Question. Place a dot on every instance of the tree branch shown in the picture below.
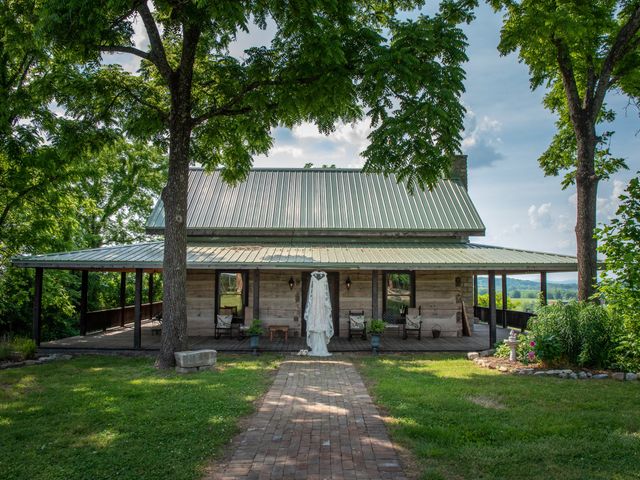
(158, 55)
(125, 49)
(565, 65)
(622, 45)
(227, 108)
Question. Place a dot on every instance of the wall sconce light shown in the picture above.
(292, 283)
(348, 283)
(458, 282)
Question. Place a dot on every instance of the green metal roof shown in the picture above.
(296, 254)
(321, 201)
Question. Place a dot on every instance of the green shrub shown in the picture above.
(18, 347)
(525, 351)
(25, 347)
(577, 333)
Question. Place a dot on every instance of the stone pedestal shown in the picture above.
(195, 360)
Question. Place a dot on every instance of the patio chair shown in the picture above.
(413, 322)
(223, 325)
(357, 324)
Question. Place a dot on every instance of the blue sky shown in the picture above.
(507, 129)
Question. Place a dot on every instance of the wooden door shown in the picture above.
(333, 278)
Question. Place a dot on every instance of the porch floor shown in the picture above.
(121, 338)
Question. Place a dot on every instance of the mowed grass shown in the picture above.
(120, 418)
(465, 422)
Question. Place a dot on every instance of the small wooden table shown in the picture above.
(279, 328)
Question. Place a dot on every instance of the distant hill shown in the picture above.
(529, 289)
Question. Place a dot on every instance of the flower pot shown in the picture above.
(435, 333)
(375, 343)
(253, 341)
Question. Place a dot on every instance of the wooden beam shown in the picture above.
(151, 292)
(84, 291)
(543, 287)
(123, 296)
(137, 316)
(37, 305)
(475, 290)
(256, 293)
(504, 300)
(374, 294)
(492, 309)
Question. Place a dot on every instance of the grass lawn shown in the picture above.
(461, 421)
(118, 418)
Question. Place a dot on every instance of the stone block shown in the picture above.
(186, 369)
(195, 358)
(600, 376)
(473, 355)
(617, 376)
(631, 376)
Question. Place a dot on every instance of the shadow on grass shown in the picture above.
(461, 421)
(110, 417)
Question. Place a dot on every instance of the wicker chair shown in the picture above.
(357, 324)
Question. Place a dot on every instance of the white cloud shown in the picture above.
(540, 217)
(607, 206)
(481, 140)
(286, 150)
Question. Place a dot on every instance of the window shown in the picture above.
(399, 293)
(232, 293)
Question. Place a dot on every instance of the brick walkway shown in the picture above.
(316, 422)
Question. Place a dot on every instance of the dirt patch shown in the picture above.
(487, 402)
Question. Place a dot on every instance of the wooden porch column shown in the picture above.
(374, 294)
(504, 300)
(123, 296)
(256, 293)
(543, 287)
(151, 295)
(37, 305)
(137, 317)
(492, 308)
(84, 289)
(475, 290)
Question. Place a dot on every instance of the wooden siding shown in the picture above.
(200, 302)
(280, 305)
(436, 293)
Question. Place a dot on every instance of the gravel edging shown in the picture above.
(36, 361)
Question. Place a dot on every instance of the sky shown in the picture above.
(506, 130)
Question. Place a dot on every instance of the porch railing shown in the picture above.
(113, 317)
(515, 319)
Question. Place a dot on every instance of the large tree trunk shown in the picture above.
(174, 197)
(587, 193)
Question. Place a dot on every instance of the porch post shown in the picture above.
(475, 290)
(37, 305)
(504, 300)
(151, 295)
(543, 287)
(84, 289)
(123, 296)
(374, 294)
(137, 318)
(256, 293)
(492, 308)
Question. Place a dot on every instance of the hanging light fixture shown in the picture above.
(348, 283)
(292, 283)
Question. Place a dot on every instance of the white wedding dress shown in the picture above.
(318, 315)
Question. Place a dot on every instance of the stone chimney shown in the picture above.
(459, 170)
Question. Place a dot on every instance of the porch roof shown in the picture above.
(299, 254)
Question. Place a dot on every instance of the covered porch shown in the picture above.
(441, 277)
(120, 339)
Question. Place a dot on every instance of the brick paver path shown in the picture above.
(316, 422)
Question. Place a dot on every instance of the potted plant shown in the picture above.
(435, 330)
(254, 332)
(376, 327)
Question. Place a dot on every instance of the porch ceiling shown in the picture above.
(296, 254)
